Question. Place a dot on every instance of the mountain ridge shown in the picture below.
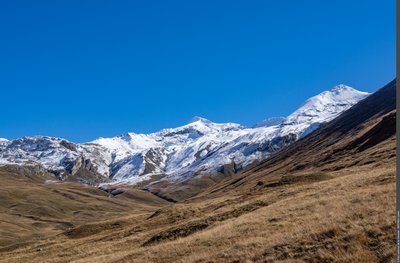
(201, 146)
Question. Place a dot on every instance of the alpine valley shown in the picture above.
(316, 186)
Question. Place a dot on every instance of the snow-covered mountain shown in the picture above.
(199, 147)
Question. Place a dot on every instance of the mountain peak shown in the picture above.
(343, 92)
(200, 119)
(342, 88)
(326, 105)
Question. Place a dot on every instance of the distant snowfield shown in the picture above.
(199, 147)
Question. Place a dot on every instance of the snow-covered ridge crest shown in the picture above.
(201, 146)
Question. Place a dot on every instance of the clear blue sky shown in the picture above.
(85, 69)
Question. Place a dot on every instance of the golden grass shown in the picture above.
(343, 221)
(348, 218)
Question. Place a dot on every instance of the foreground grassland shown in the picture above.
(313, 216)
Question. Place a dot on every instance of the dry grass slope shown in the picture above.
(347, 218)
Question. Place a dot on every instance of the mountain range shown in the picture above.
(200, 147)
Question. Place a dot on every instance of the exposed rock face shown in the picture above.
(69, 145)
(82, 170)
(30, 170)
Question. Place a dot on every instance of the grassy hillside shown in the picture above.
(36, 207)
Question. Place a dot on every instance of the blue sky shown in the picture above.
(87, 69)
